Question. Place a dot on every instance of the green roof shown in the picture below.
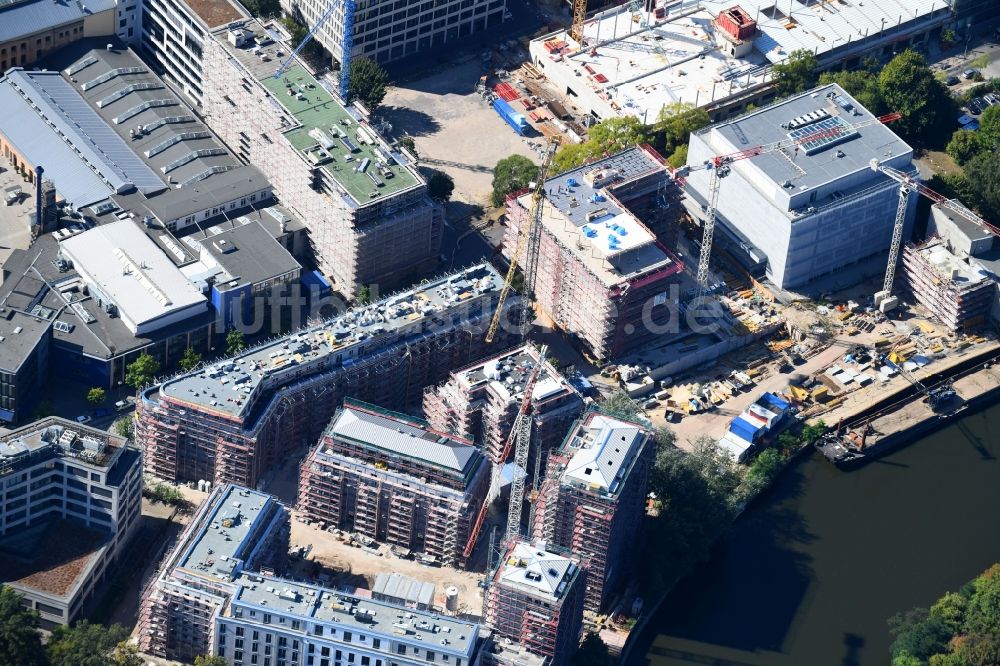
(316, 109)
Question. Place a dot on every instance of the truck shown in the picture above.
(516, 120)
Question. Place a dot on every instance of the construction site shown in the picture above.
(390, 478)
(481, 402)
(229, 421)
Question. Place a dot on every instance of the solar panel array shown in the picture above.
(824, 133)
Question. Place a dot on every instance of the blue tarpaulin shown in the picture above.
(745, 430)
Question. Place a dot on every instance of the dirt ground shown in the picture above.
(454, 129)
(357, 566)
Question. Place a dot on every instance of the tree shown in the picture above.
(797, 73)
(207, 660)
(762, 472)
(20, 642)
(963, 146)
(989, 129)
(510, 175)
(439, 184)
(678, 121)
(366, 82)
(983, 178)
(190, 360)
(679, 157)
(812, 432)
(125, 427)
(408, 143)
(263, 8)
(364, 296)
(141, 371)
(918, 634)
(85, 644)
(570, 156)
(592, 652)
(235, 342)
(951, 609)
(297, 31)
(859, 84)
(910, 88)
(616, 134)
(96, 396)
(621, 406)
(125, 654)
(983, 613)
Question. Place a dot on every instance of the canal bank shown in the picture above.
(811, 572)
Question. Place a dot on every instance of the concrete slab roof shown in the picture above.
(231, 387)
(507, 373)
(603, 451)
(20, 335)
(244, 250)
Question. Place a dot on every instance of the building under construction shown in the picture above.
(229, 421)
(392, 478)
(958, 292)
(370, 217)
(593, 498)
(235, 529)
(535, 599)
(481, 402)
(602, 275)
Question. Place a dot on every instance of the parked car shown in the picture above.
(991, 99)
(952, 80)
(970, 73)
(974, 108)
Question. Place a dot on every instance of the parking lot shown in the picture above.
(454, 129)
(15, 228)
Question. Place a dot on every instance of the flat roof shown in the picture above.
(508, 372)
(54, 557)
(354, 612)
(950, 267)
(531, 568)
(642, 64)
(826, 110)
(131, 270)
(54, 436)
(19, 336)
(398, 586)
(604, 450)
(324, 132)
(229, 387)
(245, 250)
(20, 19)
(403, 436)
(586, 218)
(216, 12)
(221, 538)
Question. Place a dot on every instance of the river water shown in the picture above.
(809, 575)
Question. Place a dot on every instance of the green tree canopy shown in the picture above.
(125, 427)
(983, 613)
(605, 138)
(989, 129)
(408, 143)
(20, 642)
(207, 660)
(910, 88)
(96, 396)
(983, 178)
(592, 652)
(235, 342)
(439, 184)
(621, 406)
(366, 81)
(85, 644)
(963, 146)
(951, 609)
(679, 157)
(918, 634)
(510, 175)
(141, 371)
(190, 360)
(263, 8)
(677, 121)
(570, 156)
(860, 84)
(797, 73)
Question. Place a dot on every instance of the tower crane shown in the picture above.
(347, 43)
(519, 439)
(720, 168)
(527, 234)
(908, 184)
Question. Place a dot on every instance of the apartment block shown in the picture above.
(800, 212)
(602, 276)
(235, 529)
(535, 599)
(230, 421)
(958, 292)
(70, 503)
(371, 218)
(394, 479)
(481, 401)
(218, 594)
(593, 499)
(391, 31)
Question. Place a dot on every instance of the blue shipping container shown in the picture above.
(774, 403)
(745, 430)
(516, 120)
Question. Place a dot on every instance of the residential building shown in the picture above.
(481, 401)
(717, 54)
(31, 29)
(173, 37)
(70, 502)
(218, 594)
(535, 599)
(593, 499)
(371, 220)
(387, 32)
(959, 292)
(392, 478)
(802, 210)
(235, 530)
(25, 341)
(602, 275)
(230, 421)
